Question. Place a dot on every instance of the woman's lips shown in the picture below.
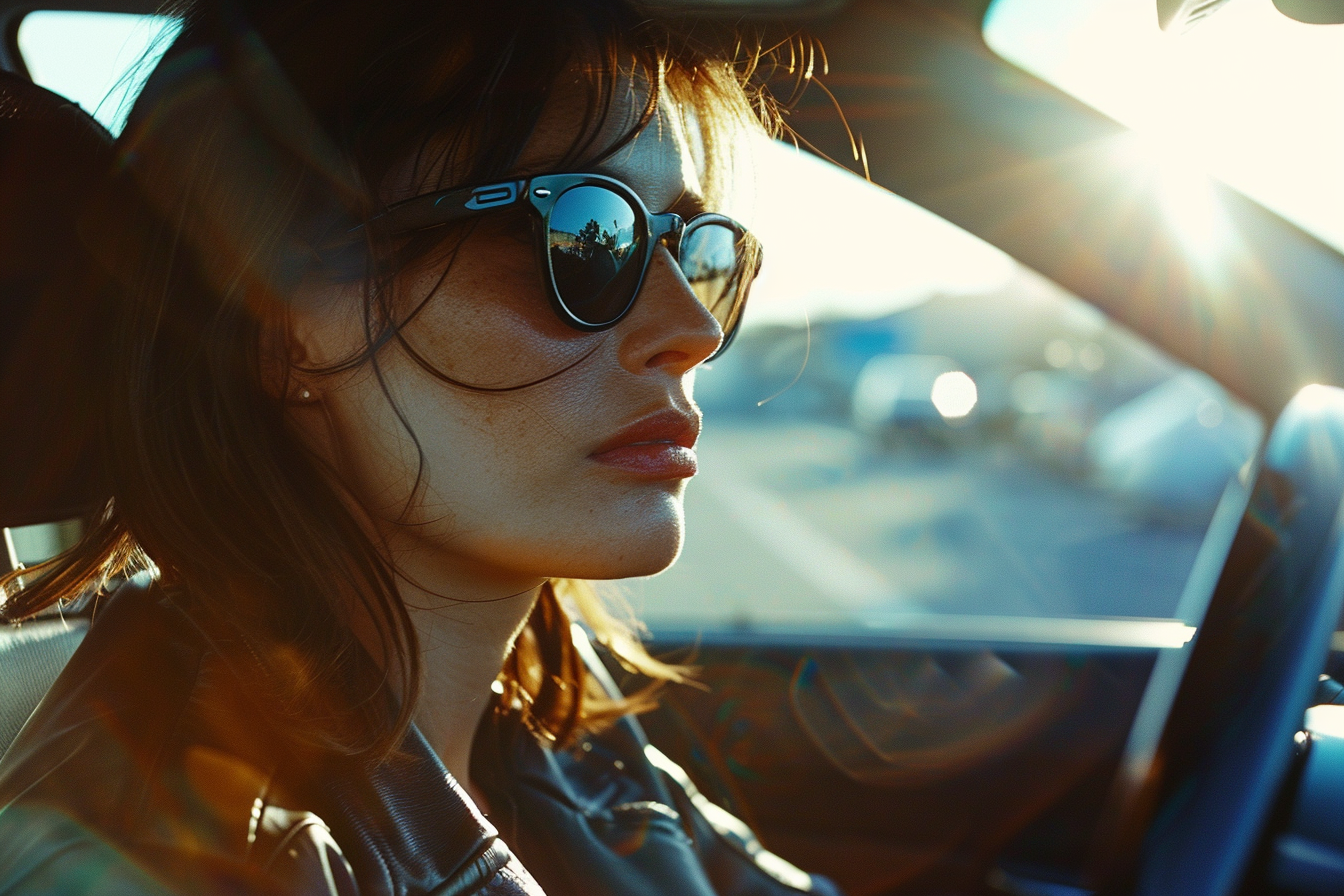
(657, 460)
(660, 446)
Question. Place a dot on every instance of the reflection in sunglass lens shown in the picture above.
(713, 260)
(593, 252)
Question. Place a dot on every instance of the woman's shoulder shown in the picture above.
(140, 773)
(127, 718)
(152, 765)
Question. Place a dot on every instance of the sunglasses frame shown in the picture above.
(542, 193)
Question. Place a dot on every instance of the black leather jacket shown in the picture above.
(147, 769)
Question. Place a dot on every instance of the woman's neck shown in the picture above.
(465, 635)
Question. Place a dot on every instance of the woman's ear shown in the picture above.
(322, 328)
(285, 360)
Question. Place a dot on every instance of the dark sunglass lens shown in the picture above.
(719, 263)
(592, 245)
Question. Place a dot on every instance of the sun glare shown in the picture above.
(1248, 96)
(1185, 192)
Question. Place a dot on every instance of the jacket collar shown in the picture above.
(405, 825)
(409, 827)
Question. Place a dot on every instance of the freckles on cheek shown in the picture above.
(489, 459)
(493, 327)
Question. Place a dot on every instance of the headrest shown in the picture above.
(53, 308)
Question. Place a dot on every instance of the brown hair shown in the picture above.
(266, 128)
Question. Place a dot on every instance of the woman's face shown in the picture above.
(581, 475)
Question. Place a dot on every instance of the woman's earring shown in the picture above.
(305, 395)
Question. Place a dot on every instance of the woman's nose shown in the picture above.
(668, 328)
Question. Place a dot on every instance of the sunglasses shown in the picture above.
(596, 240)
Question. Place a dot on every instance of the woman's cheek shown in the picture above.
(477, 450)
(489, 323)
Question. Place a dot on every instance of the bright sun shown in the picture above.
(1248, 96)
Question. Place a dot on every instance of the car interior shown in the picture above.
(1016, 565)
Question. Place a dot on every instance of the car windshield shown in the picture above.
(1249, 96)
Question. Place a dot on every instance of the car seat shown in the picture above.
(53, 305)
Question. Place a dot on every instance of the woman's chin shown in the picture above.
(635, 564)
(650, 567)
(624, 556)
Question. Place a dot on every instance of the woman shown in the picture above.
(410, 297)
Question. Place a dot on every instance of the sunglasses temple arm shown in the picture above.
(450, 206)
(418, 213)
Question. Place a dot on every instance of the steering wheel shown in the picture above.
(1228, 744)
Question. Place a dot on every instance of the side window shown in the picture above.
(98, 59)
(913, 431)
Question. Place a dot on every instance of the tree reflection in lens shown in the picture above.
(591, 239)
